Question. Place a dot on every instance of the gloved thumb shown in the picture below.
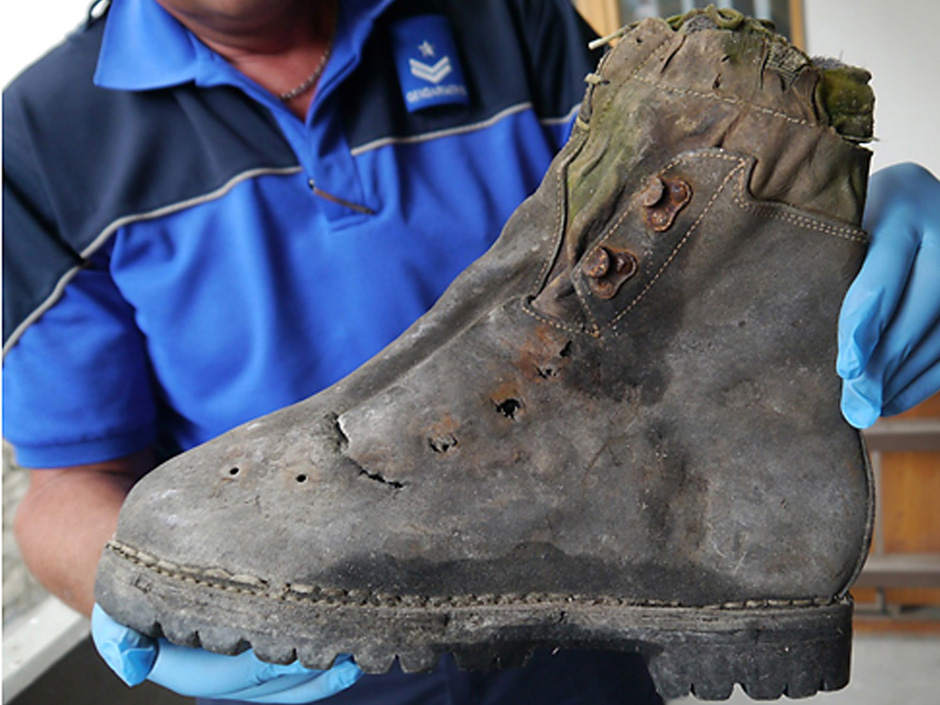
(129, 653)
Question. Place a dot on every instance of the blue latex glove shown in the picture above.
(889, 327)
(199, 673)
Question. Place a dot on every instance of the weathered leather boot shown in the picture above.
(619, 428)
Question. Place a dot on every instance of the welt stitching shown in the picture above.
(306, 594)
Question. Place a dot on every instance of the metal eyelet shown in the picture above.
(606, 269)
(663, 198)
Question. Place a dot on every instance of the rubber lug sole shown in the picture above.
(793, 649)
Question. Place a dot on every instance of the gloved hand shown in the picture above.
(889, 326)
(199, 673)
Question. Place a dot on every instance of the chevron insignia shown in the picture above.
(432, 74)
(428, 63)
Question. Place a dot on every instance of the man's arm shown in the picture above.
(66, 517)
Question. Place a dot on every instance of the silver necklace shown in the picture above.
(312, 79)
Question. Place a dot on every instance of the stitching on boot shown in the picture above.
(561, 208)
(739, 197)
(781, 212)
(559, 219)
(661, 48)
(665, 44)
(557, 324)
(557, 249)
(304, 594)
(731, 101)
(612, 229)
(723, 99)
(692, 228)
(595, 331)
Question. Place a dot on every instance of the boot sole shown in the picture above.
(771, 647)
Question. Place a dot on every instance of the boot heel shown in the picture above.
(785, 652)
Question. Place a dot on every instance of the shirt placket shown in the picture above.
(330, 171)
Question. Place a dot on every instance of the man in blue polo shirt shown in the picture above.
(215, 209)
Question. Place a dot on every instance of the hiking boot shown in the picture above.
(618, 429)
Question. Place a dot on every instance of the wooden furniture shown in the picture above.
(899, 589)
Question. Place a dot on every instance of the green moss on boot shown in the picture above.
(844, 95)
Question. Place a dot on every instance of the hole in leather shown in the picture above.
(509, 407)
(301, 478)
(442, 444)
(234, 471)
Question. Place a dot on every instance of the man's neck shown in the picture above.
(278, 45)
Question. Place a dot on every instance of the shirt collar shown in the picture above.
(144, 47)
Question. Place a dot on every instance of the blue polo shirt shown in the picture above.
(183, 254)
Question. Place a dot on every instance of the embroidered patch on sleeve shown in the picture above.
(428, 66)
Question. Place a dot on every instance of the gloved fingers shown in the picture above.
(302, 688)
(130, 654)
(923, 386)
(922, 389)
(906, 344)
(903, 208)
(199, 673)
(919, 361)
(863, 310)
(898, 187)
(276, 686)
(874, 295)
(857, 408)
